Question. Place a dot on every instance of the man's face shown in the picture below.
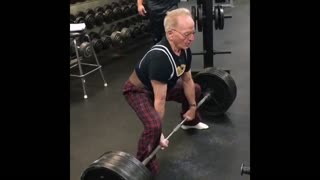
(184, 33)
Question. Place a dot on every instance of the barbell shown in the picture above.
(118, 165)
(199, 16)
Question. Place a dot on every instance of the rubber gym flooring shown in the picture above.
(105, 122)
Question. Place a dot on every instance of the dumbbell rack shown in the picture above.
(92, 4)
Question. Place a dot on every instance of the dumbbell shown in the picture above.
(120, 26)
(107, 6)
(126, 11)
(117, 40)
(143, 26)
(125, 33)
(114, 4)
(123, 2)
(127, 23)
(98, 16)
(136, 19)
(135, 31)
(106, 39)
(99, 9)
(106, 13)
(88, 19)
(131, 5)
(115, 37)
(95, 40)
(108, 16)
(133, 8)
(117, 27)
(84, 49)
(117, 12)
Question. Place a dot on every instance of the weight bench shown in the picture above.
(76, 32)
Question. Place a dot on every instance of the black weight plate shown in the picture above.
(216, 17)
(221, 17)
(223, 89)
(116, 166)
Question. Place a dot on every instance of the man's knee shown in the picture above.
(197, 90)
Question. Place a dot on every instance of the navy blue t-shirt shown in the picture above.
(160, 7)
(162, 64)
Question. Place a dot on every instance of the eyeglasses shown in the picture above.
(185, 35)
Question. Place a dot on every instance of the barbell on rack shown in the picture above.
(199, 17)
(118, 165)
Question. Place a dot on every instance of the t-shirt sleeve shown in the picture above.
(160, 67)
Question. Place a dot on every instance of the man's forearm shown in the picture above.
(189, 91)
(159, 106)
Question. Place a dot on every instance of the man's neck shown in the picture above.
(176, 50)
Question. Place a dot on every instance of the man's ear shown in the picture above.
(170, 35)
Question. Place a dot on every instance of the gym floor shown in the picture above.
(105, 122)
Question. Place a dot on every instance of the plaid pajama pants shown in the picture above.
(141, 101)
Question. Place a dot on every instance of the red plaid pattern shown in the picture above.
(141, 102)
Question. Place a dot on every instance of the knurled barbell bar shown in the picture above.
(118, 165)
